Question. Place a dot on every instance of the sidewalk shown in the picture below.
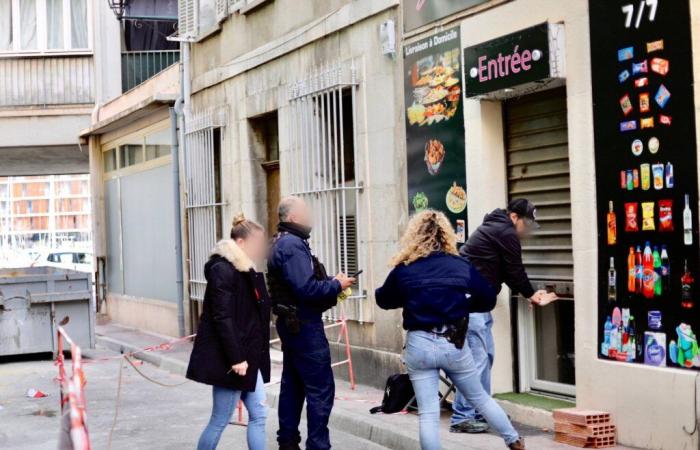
(350, 412)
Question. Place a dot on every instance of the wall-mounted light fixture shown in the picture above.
(387, 37)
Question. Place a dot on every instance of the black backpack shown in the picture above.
(398, 394)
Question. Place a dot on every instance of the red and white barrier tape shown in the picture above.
(74, 387)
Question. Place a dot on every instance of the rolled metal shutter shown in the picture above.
(538, 169)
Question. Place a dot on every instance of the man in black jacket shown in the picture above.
(494, 250)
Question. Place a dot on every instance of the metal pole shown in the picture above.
(178, 224)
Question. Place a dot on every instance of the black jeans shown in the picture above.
(306, 375)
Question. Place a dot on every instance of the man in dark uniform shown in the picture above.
(301, 291)
(494, 250)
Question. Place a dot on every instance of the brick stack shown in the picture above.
(583, 428)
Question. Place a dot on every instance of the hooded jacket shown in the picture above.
(494, 250)
(234, 326)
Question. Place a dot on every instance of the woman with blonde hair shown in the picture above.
(231, 351)
(437, 290)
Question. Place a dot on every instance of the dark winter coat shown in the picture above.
(437, 290)
(494, 249)
(235, 322)
(290, 263)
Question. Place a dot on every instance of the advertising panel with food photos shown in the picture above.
(436, 165)
(646, 180)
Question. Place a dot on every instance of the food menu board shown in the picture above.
(435, 127)
(646, 180)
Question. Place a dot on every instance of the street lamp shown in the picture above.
(118, 6)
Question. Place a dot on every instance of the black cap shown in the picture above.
(525, 209)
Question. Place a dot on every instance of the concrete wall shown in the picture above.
(650, 405)
(144, 314)
(379, 150)
(243, 33)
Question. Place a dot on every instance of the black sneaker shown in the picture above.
(470, 426)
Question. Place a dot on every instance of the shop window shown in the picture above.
(109, 160)
(130, 155)
(158, 144)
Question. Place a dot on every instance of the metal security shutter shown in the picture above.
(538, 169)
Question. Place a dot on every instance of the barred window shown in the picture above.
(323, 170)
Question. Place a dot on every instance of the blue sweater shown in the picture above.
(436, 290)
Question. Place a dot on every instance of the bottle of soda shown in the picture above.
(648, 272)
(638, 271)
(612, 225)
(631, 269)
(658, 289)
(687, 284)
(612, 282)
(665, 270)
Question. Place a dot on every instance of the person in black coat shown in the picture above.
(495, 250)
(231, 351)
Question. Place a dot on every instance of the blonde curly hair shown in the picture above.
(427, 232)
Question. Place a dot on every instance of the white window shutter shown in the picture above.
(235, 5)
(187, 18)
(221, 10)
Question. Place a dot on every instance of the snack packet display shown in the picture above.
(648, 216)
(654, 46)
(644, 102)
(631, 222)
(665, 215)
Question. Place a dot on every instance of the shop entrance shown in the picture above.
(538, 169)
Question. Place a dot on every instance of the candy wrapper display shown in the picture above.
(648, 216)
(665, 215)
(631, 222)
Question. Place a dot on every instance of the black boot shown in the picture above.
(290, 447)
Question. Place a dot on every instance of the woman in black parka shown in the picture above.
(231, 351)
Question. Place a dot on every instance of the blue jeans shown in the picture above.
(225, 402)
(306, 375)
(480, 339)
(426, 353)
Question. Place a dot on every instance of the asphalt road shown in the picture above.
(150, 417)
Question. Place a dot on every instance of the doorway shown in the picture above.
(266, 133)
(536, 136)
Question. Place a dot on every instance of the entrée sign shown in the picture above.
(511, 60)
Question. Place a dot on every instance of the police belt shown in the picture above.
(454, 333)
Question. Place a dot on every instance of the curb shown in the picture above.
(348, 422)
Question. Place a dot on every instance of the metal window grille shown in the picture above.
(203, 208)
(319, 162)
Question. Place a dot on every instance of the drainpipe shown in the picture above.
(178, 223)
(179, 115)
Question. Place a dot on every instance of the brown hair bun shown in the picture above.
(238, 219)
